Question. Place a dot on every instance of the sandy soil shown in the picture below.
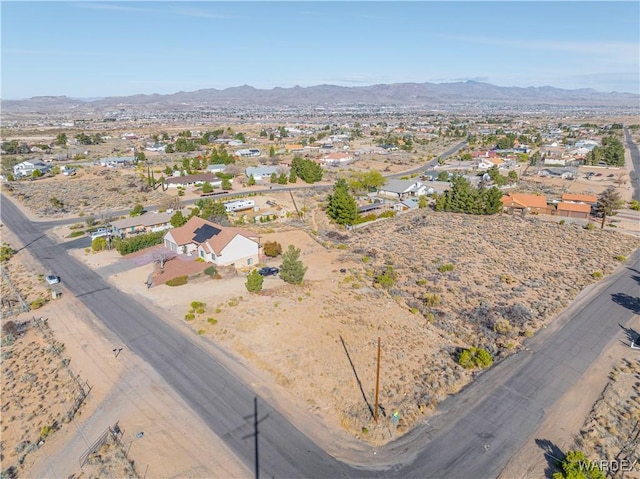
(307, 346)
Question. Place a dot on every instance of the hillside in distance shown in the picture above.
(427, 95)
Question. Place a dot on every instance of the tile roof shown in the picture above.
(579, 198)
(524, 200)
(577, 207)
(212, 236)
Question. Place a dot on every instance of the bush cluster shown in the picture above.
(272, 249)
(136, 243)
(475, 358)
(177, 281)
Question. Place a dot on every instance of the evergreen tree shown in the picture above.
(251, 181)
(342, 206)
(292, 176)
(226, 184)
(274, 178)
(254, 282)
(609, 202)
(307, 170)
(492, 201)
(282, 179)
(292, 270)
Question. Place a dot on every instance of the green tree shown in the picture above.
(99, 244)
(307, 170)
(292, 270)
(422, 201)
(251, 181)
(369, 181)
(576, 466)
(609, 202)
(226, 184)
(10, 147)
(61, 139)
(254, 281)
(274, 178)
(292, 176)
(342, 207)
(443, 176)
(137, 210)
(213, 211)
(178, 219)
(207, 187)
(496, 177)
(464, 198)
(169, 149)
(282, 179)
(36, 173)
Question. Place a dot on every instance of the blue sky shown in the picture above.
(100, 48)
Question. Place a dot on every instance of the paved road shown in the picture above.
(635, 160)
(474, 435)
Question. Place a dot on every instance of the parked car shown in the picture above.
(268, 271)
(52, 279)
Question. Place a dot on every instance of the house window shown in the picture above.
(250, 261)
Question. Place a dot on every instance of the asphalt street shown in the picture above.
(473, 435)
(635, 160)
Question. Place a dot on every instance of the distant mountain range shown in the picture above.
(428, 95)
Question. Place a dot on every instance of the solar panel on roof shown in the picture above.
(204, 233)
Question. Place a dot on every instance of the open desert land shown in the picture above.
(457, 281)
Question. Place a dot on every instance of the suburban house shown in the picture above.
(26, 168)
(293, 148)
(577, 198)
(401, 189)
(146, 223)
(192, 180)
(115, 161)
(567, 173)
(214, 243)
(573, 210)
(525, 203)
(261, 173)
(247, 152)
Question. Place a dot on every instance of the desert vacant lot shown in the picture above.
(508, 277)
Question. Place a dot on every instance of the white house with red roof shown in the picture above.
(214, 243)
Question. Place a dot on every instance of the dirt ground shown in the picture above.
(307, 344)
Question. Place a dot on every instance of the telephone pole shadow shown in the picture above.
(256, 422)
(364, 396)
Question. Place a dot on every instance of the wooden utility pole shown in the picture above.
(375, 410)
